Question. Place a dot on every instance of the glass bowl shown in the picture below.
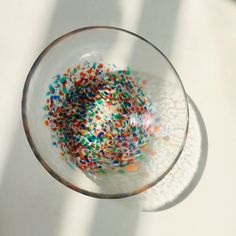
(105, 112)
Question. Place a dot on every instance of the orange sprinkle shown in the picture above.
(89, 70)
(68, 70)
(156, 129)
(78, 66)
(136, 139)
(46, 123)
(131, 168)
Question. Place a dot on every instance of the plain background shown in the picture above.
(199, 37)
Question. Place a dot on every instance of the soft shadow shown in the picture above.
(158, 23)
(31, 201)
(201, 163)
(158, 19)
(73, 14)
(112, 219)
(179, 183)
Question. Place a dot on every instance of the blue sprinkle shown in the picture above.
(100, 134)
(55, 97)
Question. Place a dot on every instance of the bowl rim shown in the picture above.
(31, 141)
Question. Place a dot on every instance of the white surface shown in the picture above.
(199, 37)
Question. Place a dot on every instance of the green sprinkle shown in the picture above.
(63, 79)
(139, 157)
(100, 101)
(117, 116)
(127, 70)
(101, 171)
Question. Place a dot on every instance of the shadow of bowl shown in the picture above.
(179, 183)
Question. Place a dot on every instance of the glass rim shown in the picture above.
(31, 141)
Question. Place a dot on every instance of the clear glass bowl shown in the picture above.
(105, 112)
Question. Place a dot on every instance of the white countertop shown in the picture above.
(199, 37)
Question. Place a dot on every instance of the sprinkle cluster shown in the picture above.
(99, 118)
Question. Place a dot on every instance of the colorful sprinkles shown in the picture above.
(99, 118)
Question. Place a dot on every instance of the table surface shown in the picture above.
(199, 37)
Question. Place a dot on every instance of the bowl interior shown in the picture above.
(108, 55)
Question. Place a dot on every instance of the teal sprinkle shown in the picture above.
(51, 88)
(127, 104)
(64, 90)
(115, 161)
(94, 65)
